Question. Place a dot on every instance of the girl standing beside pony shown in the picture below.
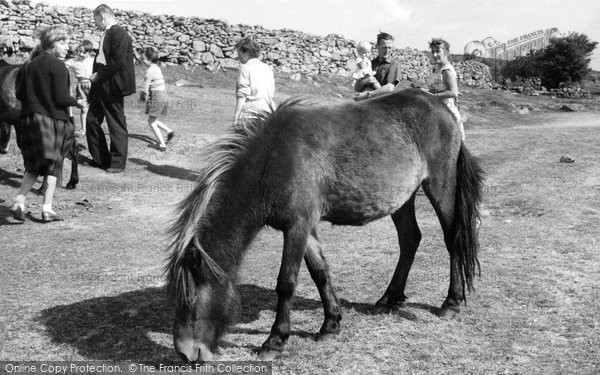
(157, 103)
(444, 83)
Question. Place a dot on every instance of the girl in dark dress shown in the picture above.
(45, 132)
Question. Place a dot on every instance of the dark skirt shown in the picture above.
(157, 103)
(44, 142)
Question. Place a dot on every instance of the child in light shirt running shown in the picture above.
(157, 101)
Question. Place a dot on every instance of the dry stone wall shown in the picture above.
(206, 42)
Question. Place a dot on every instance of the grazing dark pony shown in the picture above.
(10, 107)
(349, 164)
(10, 110)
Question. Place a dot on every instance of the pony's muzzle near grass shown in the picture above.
(348, 164)
(188, 348)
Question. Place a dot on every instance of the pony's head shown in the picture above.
(206, 249)
(203, 310)
(201, 270)
(199, 276)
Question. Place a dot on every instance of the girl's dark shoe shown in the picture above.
(17, 212)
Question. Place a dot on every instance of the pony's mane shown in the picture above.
(194, 210)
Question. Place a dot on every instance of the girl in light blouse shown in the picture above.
(444, 83)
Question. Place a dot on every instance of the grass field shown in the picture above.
(90, 287)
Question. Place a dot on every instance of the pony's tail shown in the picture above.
(469, 186)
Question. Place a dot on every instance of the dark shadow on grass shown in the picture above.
(434, 310)
(36, 219)
(167, 170)
(6, 218)
(142, 137)
(112, 328)
(117, 328)
(9, 179)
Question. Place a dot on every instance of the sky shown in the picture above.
(412, 22)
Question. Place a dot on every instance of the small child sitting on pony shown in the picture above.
(363, 65)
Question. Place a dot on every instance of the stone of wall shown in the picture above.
(473, 74)
(204, 42)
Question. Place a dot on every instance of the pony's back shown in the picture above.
(349, 163)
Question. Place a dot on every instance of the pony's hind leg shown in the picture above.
(456, 194)
(409, 237)
(294, 244)
(442, 200)
(319, 271)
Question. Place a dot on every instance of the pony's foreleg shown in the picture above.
(319, 271)
(74, 156)
(409, 237)
(4, 136)
(294, 245)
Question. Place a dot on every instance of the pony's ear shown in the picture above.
(193, 262)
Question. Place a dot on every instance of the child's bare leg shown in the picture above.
(152, 121)
(163, 126)
(82, 116)
(26, 184)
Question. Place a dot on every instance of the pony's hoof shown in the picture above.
(71, 186)
(448, 313)
(267, 355)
